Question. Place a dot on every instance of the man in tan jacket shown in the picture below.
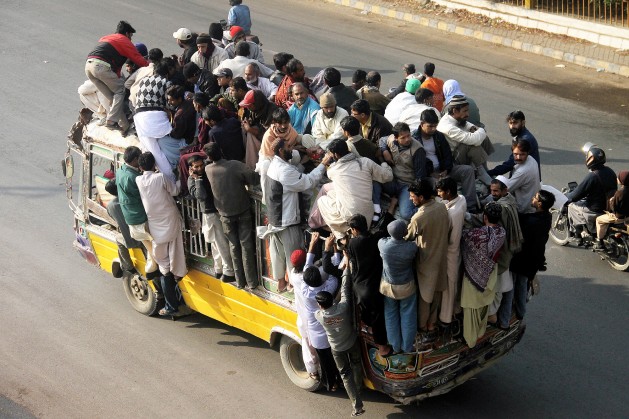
(429, 228)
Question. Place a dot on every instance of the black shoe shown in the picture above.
(428, 337)
(153, 275)
(599, 246)
(228, 278)
(577, 241)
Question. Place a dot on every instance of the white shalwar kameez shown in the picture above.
(164, 221)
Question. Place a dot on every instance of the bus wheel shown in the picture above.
(140, 294)
(293, 363)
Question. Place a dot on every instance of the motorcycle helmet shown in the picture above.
(595, 157)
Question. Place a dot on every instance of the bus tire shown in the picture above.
(293, 363)
(140, 294)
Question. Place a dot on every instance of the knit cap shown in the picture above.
(397, 229)
(298, 258)
(326, 100)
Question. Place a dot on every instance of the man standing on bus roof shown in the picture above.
(229, 180)
(103, 67)
(132, 207)
(164, 220)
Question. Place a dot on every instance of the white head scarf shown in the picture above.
(450, 89)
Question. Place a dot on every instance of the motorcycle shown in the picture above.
(616, 241)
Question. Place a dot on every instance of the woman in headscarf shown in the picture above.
(480, 248)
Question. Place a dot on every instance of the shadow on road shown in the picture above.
(199, 321)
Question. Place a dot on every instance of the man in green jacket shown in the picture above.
(132, 207)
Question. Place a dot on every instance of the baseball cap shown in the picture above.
(247, 100)
(234, 30)
(142, 49)
(223, 72)
(412, 85)
(183, 34)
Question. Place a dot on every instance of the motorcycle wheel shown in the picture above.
(559, 229)
(619, 259)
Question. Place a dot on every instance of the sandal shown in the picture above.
(315, 376)
(358, 412)
(166, 312)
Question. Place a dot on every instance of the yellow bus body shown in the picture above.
(211, 297)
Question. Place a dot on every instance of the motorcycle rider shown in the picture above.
(617, 210)
(589, 199)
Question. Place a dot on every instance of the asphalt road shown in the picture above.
(71, 346)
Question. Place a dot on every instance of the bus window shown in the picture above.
(101, 170)
(74, 179)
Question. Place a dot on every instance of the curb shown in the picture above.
(441, 25)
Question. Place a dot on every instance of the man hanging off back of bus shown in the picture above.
(338, 322)
(157, 191)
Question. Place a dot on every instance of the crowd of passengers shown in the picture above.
(384, 183)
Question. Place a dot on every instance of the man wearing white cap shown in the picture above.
(186, 40)
(465, 138)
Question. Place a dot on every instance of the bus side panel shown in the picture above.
(237, 308)
(106, 251)
(211, 297)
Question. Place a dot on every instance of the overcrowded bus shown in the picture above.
(263, 312)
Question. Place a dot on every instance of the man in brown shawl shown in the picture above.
(429, 228)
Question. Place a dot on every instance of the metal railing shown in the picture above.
(609, 12)
(193, 236)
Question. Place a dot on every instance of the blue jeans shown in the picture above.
(399, 190)
(400, 317)
(516, 297)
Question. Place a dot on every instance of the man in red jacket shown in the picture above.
(103, 69)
